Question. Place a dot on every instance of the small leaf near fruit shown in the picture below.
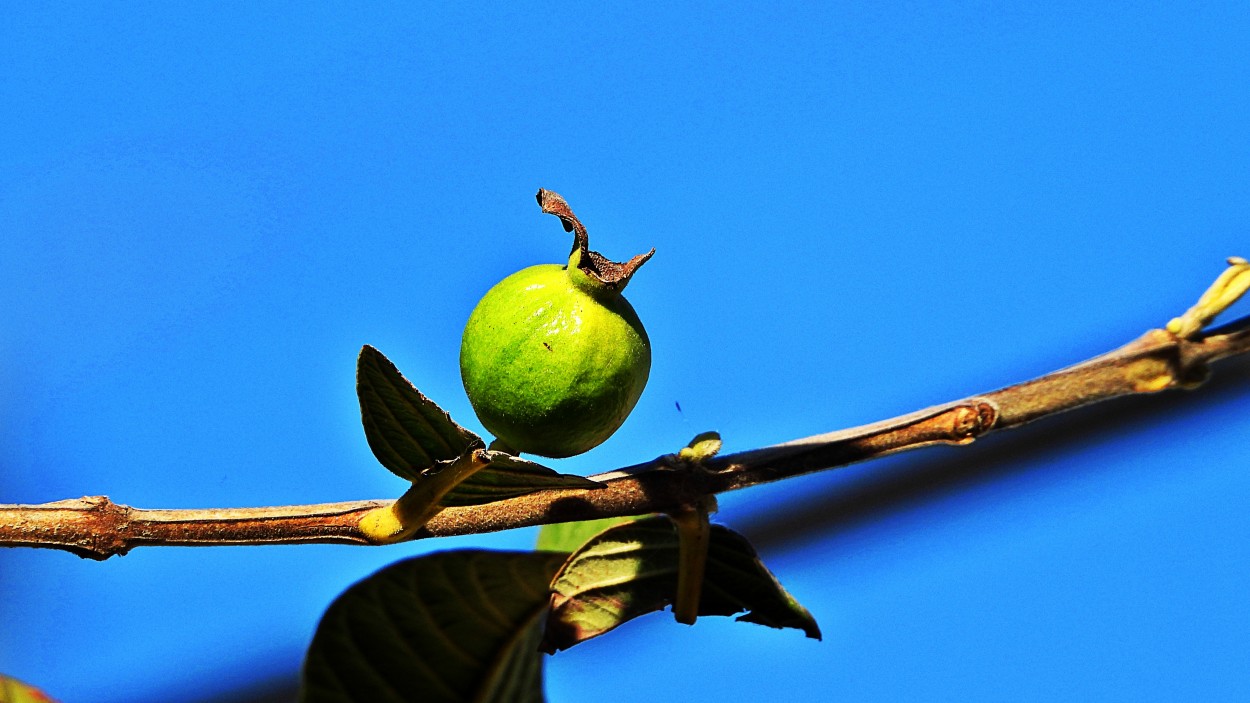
(631, 569)
(408, 433)
(442, 628)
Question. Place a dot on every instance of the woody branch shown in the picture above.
(95, 527)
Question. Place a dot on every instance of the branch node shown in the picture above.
(973, 420)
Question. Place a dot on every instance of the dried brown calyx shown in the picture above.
(608, 274)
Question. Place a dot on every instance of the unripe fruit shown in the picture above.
(553, 357)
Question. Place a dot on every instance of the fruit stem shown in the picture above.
(610, 275)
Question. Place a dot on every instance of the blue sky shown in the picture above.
(858, 210)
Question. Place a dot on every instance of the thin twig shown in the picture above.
(97, 528)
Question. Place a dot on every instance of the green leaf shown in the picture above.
(631, 569)
(508, 476)
(569, 536)
(407, 432)
(14, 691)
(446, 627)
(417, 440)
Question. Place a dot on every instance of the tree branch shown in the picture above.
(97, 528)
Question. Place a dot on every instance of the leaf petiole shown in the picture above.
(400, 520)
(694, 534)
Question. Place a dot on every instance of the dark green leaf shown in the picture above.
(570, 536)
(507, 476)
(407, 432)
(14, 691)
(631, 569)
(442, 628)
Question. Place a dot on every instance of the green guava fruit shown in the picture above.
(553, 357)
